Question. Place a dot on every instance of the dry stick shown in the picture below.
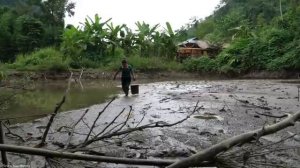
(73, 156)
(87, 125)
(13, 134)
(140, 128)
(93, 126)
(298, 93)
(12, 118)
(141, 120)
(267, 115)
(3, 154)
(210, 153)
(80, 74)
(79, 79)
(58, 106)
(111, 123)
(73, 129)
(123, 124)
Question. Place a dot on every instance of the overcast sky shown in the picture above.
(177, 12)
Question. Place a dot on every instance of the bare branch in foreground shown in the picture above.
(3, 152)
(111, 123)
(13, 134)
(57, 108)
(73, 156)
(121, 124)
(73, 128)
(140, 128)
(99, 114)
(267, 115)
(210, 153)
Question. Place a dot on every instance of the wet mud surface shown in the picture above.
(229, 108)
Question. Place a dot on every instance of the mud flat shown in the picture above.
(229, 107)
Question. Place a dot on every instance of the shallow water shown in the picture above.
(42, 97)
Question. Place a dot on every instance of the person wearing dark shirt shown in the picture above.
(127, 72)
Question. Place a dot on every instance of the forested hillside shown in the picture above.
(27, 25)
(261, 35)
(7, 2)
(256, 35)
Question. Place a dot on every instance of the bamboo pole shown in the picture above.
(67, 155)
(3, 153)
(298, 93)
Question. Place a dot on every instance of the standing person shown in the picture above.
(127, 72)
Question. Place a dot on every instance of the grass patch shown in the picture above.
(145, 64)
(46, 59)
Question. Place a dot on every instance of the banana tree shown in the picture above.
(113, 36)
(169, 39)
(96, 37)
(73, 44)
(128, 41)
(145, 32)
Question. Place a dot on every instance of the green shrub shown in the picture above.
(84, 63)
(147, 64)
(201, 64)
(47, 59)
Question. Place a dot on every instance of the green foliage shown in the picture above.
(29, 33)
(3, 76)
(201, 64)
(260, 37)
(288, 61)
(146, 64)
(31, 24)
(47, 59)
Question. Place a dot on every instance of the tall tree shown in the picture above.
(55, 11)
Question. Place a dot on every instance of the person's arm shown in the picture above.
(132, 74)
(116, 74)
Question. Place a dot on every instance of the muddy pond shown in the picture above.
(228, 108)
(41, 97)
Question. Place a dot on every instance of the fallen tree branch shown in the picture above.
(73, 128)
(142, 119)
(112, 122)
(58, 106)
(267, 115)
(121, 124)
(87, 125)
(210, 153)
(140, 128)
(3, 153)
(99, 114)
(73, 156)
(13, 134)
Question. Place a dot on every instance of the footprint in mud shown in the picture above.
(209, 117)
(164, 100)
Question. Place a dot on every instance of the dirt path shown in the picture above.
(229, 108)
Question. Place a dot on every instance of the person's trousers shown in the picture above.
(125, 84)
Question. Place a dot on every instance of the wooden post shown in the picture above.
(298, 92)
(3, 154)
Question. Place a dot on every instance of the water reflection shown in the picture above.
(45, 95)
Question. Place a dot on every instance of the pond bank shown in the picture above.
(100, 74)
